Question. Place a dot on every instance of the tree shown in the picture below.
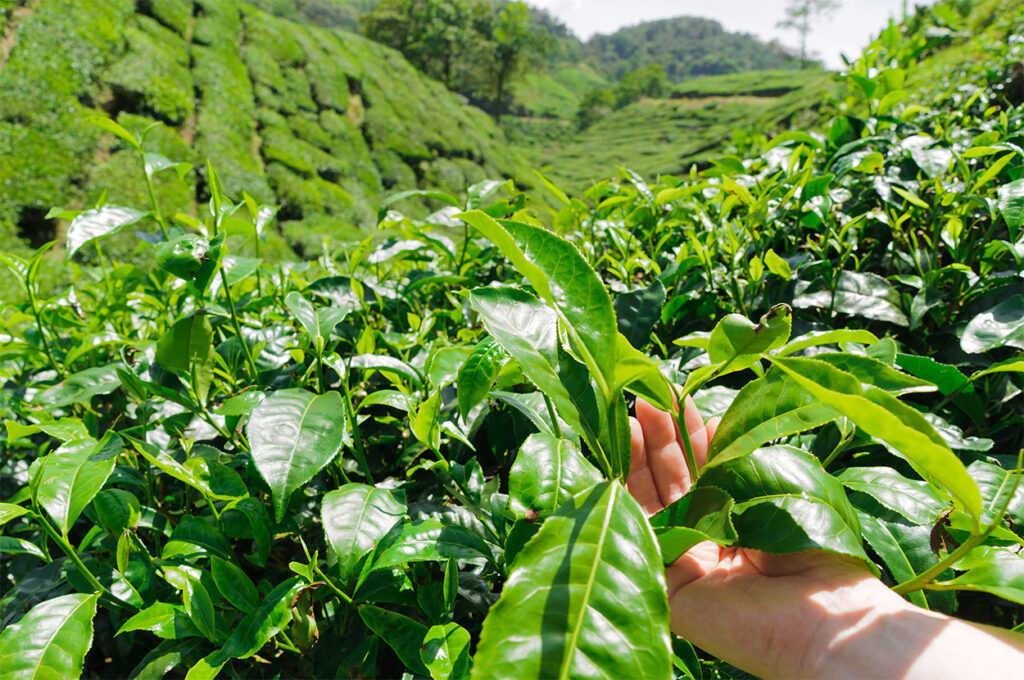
(800, 14)
(515, 47)
(434, 35)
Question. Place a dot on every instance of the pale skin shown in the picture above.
(814, 614)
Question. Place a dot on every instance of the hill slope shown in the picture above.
(322, 122)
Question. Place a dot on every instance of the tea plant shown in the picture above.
(407, 456)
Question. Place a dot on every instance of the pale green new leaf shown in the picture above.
(885, 418)
(50, 641)
(585, 598)
(294, 434)
(766, 409)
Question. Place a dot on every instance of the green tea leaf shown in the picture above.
(81, 386)
(857, 294)
(166, 621)
(547, 472)
(738, 342)
(51, 640)
(995, 484)
(402, 634)
(355, 517)
(575, 564)
(72, 475)
(293, 435)
(766, 409)
(873, 372)
(786, 502)
(445, 652)
(97, 223)
(1001, 325)
(234, 585)
(637, 312)
(1011, 204)
(704, 514)
(563, 279)
(257, 628)
(912, 499)
(188, 347)
(426, 540)
(887, 419)
(477, 374)
(998, 571)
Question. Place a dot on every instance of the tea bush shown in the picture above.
(406, 455)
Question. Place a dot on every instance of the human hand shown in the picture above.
(768, 614)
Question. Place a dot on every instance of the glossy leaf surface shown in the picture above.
(50, 641)
(98, 223)
(547, 472)
(355, 517)
(578, 584)
(72, 475)
(294, 434)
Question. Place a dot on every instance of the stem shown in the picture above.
(357, 439)
(72, 555)
(840, 447)
(42, 335)
(330, 584)
(554, 417)
(680, 418)
(152, 197)
(238, 327)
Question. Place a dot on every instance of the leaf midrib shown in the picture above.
(574, 637)
(36, 667)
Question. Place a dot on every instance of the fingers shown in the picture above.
(665, 458)
(640, 483)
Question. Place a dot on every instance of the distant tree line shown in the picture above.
(688, 47)
(475, 47)
(646, 81)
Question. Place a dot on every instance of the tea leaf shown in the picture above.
(51, 640)
(577, 559)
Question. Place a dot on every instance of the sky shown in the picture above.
(848, 31)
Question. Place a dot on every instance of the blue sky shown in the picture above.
(848, 31)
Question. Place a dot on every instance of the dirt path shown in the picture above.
(10, 36)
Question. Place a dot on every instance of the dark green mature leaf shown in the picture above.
(547, 472)
(704, 514)
(384, 363)
(913, 499)
(426, 540)
(80, 387)
(233, 583)
(766, 409)
(786, 502)
(196, 537)
(183, 256)
(477, 374)
(51, 640)
(72, 475)
(188, 347)
(885, 418)
(257, 628)
(98, 223)
(117, 510)
(1001, 325)
(166, 657)
(857, 294)
(402, 634)
(638, 311)
(166, 621)
(355, 517)
(578, 583)
(293, 435)
(563, 279)
(318, 323)
(948, 379)
(991, 569)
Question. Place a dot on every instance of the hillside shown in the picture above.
(666, 136)
(322, 122)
